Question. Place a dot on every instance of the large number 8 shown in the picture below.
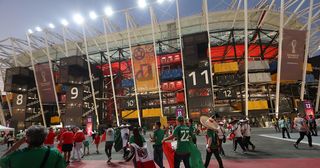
(74, 93)
(19, 99)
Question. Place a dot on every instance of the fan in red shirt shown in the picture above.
(49, 141)
(96, 141)
(67, 144)
(78, 139)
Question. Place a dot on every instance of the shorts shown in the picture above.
(86, 143)
(67, 147)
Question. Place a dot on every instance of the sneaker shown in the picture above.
(253, 147)
(295, 145)
(109, 159)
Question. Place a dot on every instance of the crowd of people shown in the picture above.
(55, 148)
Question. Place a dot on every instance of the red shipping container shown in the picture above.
(170, 59)
(180, 97)
(172, 86)
(179, 85)
(165, 86)
(177, 58)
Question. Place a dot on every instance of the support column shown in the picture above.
(182, 62)
(110, 71)
(306, 53)
(279, 59)
(155, 56)
(90, 75)
(133, 73)
(36, 80)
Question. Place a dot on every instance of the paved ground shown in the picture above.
(271, 151)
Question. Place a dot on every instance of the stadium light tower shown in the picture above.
(108, 11)
(93, 15)
(64, 22)
(51, 25)
(38, 29)
(160, 1)
(30, 31)
(77, 18)
(142, 3)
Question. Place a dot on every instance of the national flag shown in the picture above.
(144, 157)
(195, 155)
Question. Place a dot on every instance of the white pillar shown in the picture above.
(279, 59)
(246, 83)
(36, 79)
(90, 75)
(65, 40)
(51, 73)
(155, 56)
(318, 96)
(133, 73)
(182, 63)
(306, 53)
(110, 71)
(209, 49)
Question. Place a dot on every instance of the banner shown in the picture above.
(45, 83)
(144, 65)
(308, 109)
(293, 50)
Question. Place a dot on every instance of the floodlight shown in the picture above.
(108, 11)
(93, 15)
(142, 3)
(64, 22)
(160, 1)
(30, 31)
(38, 29)
(51, 25)
(78, 19)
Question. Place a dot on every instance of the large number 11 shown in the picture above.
(194, 79)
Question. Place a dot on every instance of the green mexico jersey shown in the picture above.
(182, 133)
(158, 135)
(213, 135)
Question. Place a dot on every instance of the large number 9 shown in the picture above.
(19, 99)
(74, 92)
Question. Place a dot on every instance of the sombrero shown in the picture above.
(209, 123)
(234, 121)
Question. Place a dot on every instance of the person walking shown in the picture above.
(192, 131)
(300, 124)
(10, 140)
(284, 127)
(79, 137)
(50, 138)
(86, 144)
(96, 141)
(246, 132)
(35, 154)
(182, 134)
(238, 139)
(313, 125)
(125, 135)
(222, 137)
(67, 144)
(109, 142)
(212, 148)
(157, 138)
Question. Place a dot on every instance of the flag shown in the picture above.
(144, 157)
(169, 152)
(103, 137)
(195, 155)
(118, 140)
